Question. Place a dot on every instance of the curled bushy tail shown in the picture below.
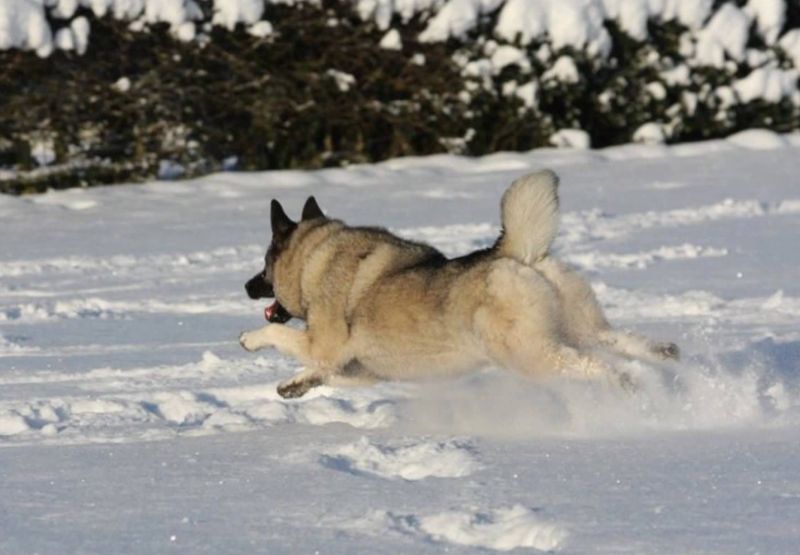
(530, 216)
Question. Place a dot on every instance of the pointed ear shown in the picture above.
(312, 210)
(282, 225)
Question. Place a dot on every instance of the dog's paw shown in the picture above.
(294, 388)
(667, 351)
(248, 341)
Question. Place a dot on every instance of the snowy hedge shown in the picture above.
(96, 91)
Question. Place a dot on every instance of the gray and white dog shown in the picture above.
(378, 307)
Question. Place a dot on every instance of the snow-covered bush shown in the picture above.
(106, 90)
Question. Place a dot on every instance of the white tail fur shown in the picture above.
(529, 211)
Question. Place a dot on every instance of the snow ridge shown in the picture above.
(410, 460)
(501, 529)
(148, 404)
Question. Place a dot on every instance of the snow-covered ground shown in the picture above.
(132, 422)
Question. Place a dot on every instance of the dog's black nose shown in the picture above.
(257, 288)
(252, 287)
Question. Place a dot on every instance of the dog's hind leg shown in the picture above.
(555, 359)
(636, 346)
(521, 326)
(574, 364)
(542, 353)
(586, 325)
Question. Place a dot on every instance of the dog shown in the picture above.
(379, 307)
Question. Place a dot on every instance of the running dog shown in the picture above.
(379, 307)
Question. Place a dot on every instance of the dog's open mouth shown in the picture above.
(276, 314)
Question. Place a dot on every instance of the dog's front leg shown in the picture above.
(299, 384)
(255, 340)
(294, 343)
(321, 360)
(288, 341)
(352, 375)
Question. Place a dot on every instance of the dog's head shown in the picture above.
(261, 285)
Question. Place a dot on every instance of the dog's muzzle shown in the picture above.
(257, 288)
(276, 314)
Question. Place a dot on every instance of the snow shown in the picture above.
(755, 58)
(168, 169)
(501, 529)
(123, 85)
(43, 150)
(174, 12)
(480, 68)
(571, 138)
(23, 25)
(391, 40)
(790, 43)
(650, 133)
(656, 90)
(689, 102)
(80, 33)
(576, 23)
(692, 13)
(408, 460)
(632, 15)
(12, 424)
(725, 34)
(344, 81)
(230, 12)
(186, 31)
(644, 259)
(758, 139)
(563, 70)
(770, 15)
(528, 93)
(381, 11)
(505, 55)
(64, 39)
(261, 29)
(579, 23)
(767, 83)
(678, 75)
(65, 9)
(456, 18)
(132, 422)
